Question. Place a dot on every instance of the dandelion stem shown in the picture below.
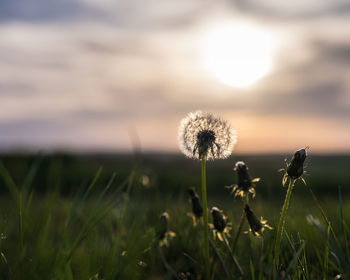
(241, 223)
(235, 240)
(165, 263)
(282, 220)
(219, 256)
(205, 218)
(235, 261)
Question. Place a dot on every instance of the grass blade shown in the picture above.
(343, 224)
(93, 183)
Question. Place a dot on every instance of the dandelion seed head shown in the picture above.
(205, 135)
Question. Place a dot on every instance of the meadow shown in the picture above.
(97, 216)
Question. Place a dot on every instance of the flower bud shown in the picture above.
(296, 167)
(197, 208)
(163, 226)
(243, 178)
(219, 221)
(254, 222)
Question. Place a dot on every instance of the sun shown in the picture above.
(237, 54)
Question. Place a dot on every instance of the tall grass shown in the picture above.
(106, 229)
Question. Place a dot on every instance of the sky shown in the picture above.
(109, 75)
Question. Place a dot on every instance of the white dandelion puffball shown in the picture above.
(205, 135)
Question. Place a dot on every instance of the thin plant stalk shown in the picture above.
(219, 256)
(169, 269)
(235, 261)
(326, 253)
(240, 227)
(282, 220)
(327, 221)
(205, 219)
(20, 214)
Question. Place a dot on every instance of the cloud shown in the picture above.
(332, 52)
(82, 72)
(293, 10)
(131, 14)
(42, 11)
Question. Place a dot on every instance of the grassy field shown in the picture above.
(98, 217)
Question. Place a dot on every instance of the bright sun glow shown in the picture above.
(238, 54)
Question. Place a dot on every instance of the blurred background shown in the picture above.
(91, 83)
(98, 81)
(107, 75)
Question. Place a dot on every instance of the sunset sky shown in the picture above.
(96, 75)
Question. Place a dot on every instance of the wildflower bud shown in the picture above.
(244, 180)
(197, 208)
(219, 221)
(163, 226)
(295, 168)
(254, 222)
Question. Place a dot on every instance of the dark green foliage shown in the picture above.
(61, 218)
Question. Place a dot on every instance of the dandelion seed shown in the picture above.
(312, 220)
(202, 135)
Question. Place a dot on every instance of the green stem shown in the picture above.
(205, 219)
(235, 261)
(20, 216)
(235, 240)
(165, 263)
(241, 223)
(282, 220)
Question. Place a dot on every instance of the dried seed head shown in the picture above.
(219, 220)
(197, 208)
(204, 135)
(296, 167)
